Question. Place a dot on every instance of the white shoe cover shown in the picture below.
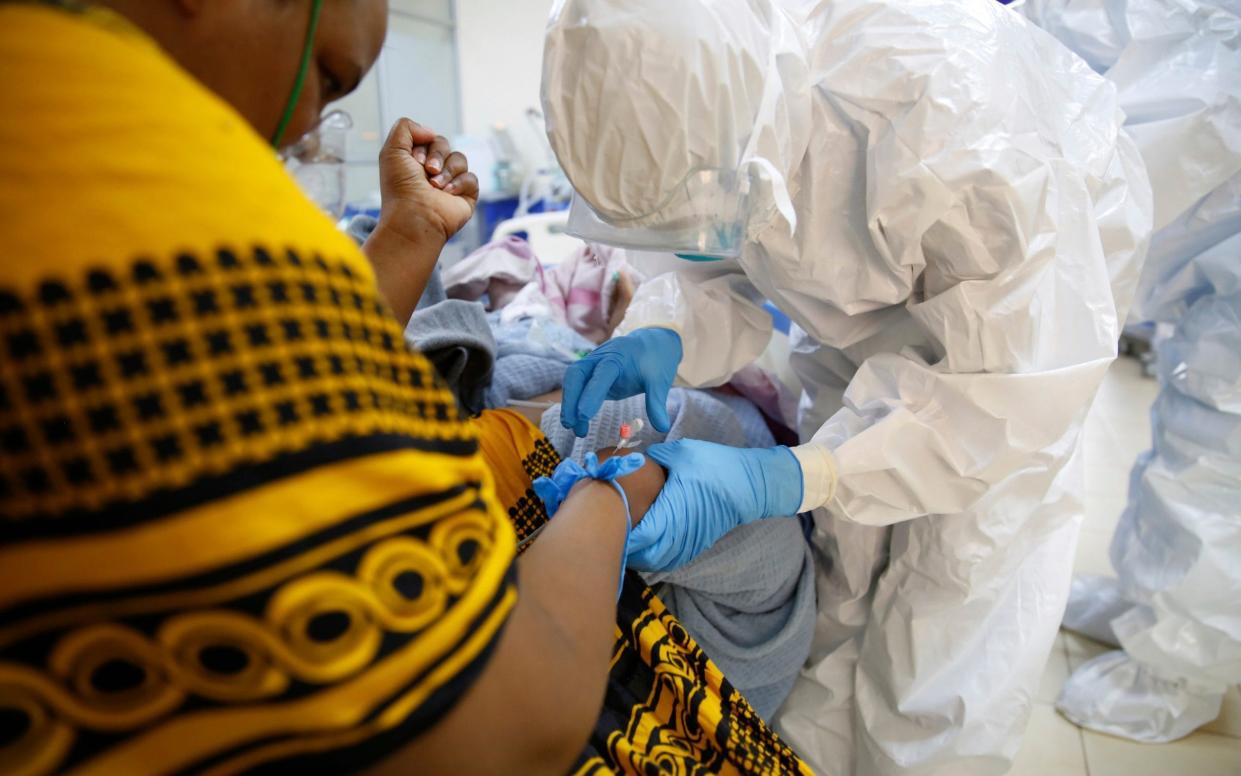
(1115, 694)
(1094, 601)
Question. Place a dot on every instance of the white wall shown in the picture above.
(500, 56)
(415, 76)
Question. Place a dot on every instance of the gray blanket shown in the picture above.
(455, 338)
(531, 358)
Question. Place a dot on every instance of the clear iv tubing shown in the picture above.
(538, 335)
(533, 405)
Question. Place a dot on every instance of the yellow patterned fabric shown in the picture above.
(517, 454)
(668, 709)
(241, 526)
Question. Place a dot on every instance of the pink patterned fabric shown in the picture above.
(499, 269)
(578, 292)
(582, 288)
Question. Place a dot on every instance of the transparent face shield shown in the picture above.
(317, 162)
(704, 218)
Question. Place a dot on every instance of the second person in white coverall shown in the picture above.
(943, 202)
(1174, 606)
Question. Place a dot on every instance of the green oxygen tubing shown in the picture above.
(316, 6)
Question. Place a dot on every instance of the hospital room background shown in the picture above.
(475, 68)
(482, 62)
(841, 387)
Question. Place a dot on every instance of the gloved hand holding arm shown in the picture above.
(710, 490)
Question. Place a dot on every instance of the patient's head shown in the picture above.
(248, 51)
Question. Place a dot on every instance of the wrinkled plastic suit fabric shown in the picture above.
(732, 81)
(963, 253)
(1177, 550)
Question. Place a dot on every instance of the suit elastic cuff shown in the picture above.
(818, 470)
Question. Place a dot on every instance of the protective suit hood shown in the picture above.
(645, 117)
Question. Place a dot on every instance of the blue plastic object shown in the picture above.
(354, 210)
(779, 321)
(493, 211)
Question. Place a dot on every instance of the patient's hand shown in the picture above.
(641, 487)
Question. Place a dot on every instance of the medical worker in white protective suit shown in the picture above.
(941, 198)
(1176, 607)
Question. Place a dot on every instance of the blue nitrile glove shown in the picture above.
(711, 489)
(644, 361)
(555, 489)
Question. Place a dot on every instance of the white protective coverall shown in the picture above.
(1176, 606)
(955, 222)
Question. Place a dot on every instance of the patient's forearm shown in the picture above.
(570, 576)
(403, 264)
(532, 709)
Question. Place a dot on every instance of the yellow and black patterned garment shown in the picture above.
(668, 709)
(241, 526)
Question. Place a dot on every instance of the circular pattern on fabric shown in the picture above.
(32, 739)
(408, 579)
(409, 585)
(14, 722)
(462, 541)
(117, 674)
(223, 659)
(326, 623)
(326, 627)
(467, 549)
(223, 655)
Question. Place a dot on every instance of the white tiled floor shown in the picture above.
(1116, 432)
